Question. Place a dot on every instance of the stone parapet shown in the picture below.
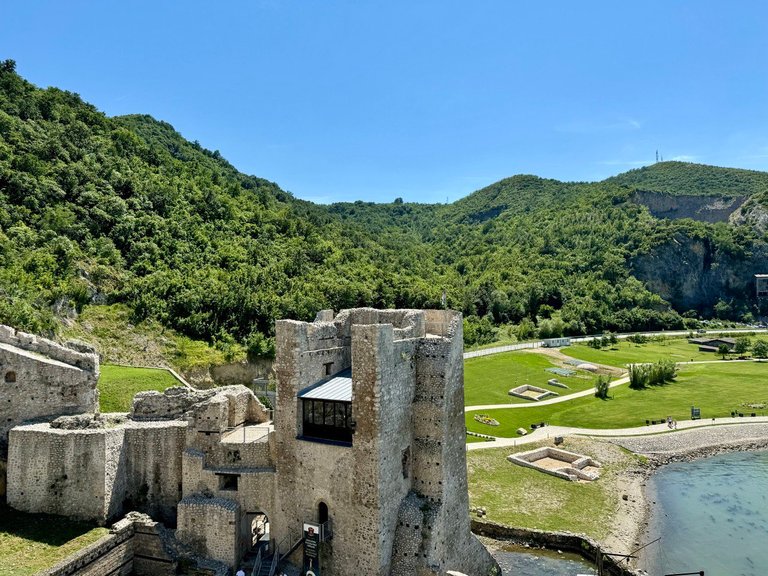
(88, 361)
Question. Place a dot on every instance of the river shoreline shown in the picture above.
(633, 527)
(631, 522)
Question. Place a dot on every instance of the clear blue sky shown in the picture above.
(426, 100)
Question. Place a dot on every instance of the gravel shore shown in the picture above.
(630, 526)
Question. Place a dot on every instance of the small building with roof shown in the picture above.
(713, 344)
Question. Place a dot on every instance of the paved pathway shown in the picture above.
(656, 429)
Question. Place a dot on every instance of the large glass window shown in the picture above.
(327, 420)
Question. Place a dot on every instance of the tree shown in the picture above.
(760, 349)
(723, 350)
(743, 344)
(722, 309)
(526, 329)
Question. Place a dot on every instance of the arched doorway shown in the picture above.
(322, 513)
(259, 530)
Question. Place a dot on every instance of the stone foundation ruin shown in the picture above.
(558, 462)
(528, 392)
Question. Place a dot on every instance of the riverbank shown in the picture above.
(631, 526)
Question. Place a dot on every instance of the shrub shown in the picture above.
(601, 387)
(656, 374)
(637, 339)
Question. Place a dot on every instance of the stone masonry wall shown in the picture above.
(153, 452)
(39, 378)
(465, 554)
(112, 555)
(211, 527)
(393, 429)
(97, 474)
(312, 472)
(134, 546)
(60, 471)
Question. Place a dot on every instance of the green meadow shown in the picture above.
(717, 388)
(526, 498)
(30, 543)
(488, 379)
(623, 353)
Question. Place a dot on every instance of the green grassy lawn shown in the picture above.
(526, 498)
(623, 353)
(488, 379)
(716, 388)
(118, 384)
(30, 543)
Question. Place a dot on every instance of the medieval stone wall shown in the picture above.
(313, 472)
(134, 546)
(211, 527)
(386, 439)
(153, 468)
(62, 471)
(39, 379)
(96, 474)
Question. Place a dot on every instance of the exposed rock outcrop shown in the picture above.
(701, 208)
(692, 273)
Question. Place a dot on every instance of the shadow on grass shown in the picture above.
(42, 528)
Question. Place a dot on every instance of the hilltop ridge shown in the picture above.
(97, 210)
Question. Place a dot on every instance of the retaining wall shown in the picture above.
(132, 547)
(565, 541)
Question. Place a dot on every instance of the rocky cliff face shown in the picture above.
(691, 273)
(752, 214)
(702, 208)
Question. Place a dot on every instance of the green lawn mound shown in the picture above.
(118, 384)
(488, 379)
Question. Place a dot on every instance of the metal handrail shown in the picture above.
(275, 559)
(289, 540)
(326, 530)
(257, 564)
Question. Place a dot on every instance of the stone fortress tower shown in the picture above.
(366, 444)
(388, 464)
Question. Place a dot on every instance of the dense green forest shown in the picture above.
(96, 209)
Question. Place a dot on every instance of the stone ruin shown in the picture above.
(42, 379)
(559, 462)
(367, 443)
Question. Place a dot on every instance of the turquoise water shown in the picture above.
(711, 515)
(516, 561)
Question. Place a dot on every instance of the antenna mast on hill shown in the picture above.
(657, 155)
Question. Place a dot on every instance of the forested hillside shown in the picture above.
(124, 210)
(97, 209)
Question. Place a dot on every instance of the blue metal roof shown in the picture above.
(338, 387)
